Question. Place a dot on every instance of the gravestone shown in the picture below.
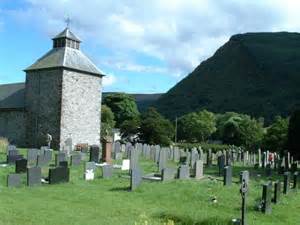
(194, 157)
(157, 151)
(135, 178)
(13, 156)
(59, 175)
(32, 155)
(41, 161)
(106, 150)
(21, 166)
(295, 180)
(63, 164)
(134, 158)
(199, 169)
(168, 174)
(277, 192)
(176, 153)
(34, 175)
(243, 192)
(162, 163)
(11, 148)
(116, 149)
(244, 175)
(59, 157)
(118, 156)
(286, 182)
(89, 169)
(48, 156)
(107, 171)
(94, 153)
(268, 170)
(267, 198)
(13, 180)
(184, 172)
(209, 158)
(75, 160)
(227, 176)
(221, 164)
(125, 164)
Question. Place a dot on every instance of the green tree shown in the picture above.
(123, 106)
(276, 136)
(107, 121)
(239, 129)
(155, 129)
(294, 134)
(196, 126)
(130, 128)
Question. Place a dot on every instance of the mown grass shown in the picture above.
(108, 201)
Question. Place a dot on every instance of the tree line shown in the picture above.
(120, 110)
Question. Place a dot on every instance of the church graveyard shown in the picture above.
(139, 166)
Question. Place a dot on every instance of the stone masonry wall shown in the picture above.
(43, 105)
(81, 108)
(12, 127)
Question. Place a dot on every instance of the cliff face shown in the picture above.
(253, 73)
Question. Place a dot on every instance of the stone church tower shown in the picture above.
(63, 96)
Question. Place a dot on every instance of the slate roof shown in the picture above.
(65, 57)
(66, 33)
(12, 96)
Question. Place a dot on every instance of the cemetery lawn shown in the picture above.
(108, 201)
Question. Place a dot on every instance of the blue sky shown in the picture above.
(142, 46)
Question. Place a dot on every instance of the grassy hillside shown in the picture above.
(253, 73)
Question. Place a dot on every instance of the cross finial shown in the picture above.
(68, 21)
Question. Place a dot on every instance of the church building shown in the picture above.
(61, 97)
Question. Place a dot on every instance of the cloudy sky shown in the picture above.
(143, 46)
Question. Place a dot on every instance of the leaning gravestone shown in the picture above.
(34, 175)
(59, 175)
(135, 178)
(13, 180)
(267, 198)
(199, 169)
(75, 160)
(277, 192)
(107, 171)
(168, 174)
(227, 176)
(184, 172)
(21, 166)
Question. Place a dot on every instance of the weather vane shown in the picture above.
(68, 21)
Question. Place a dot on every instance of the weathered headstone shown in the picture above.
(227, 176)
(267, 198)
(89, 169)
(34, 175)
(134, 158)
(13, 180)
(184, 172)
(168, 174)
(199, 169)
(75, 160)
(107, 171)
(125, 164)
(21, 166)
(32, 155)
(136, 175)
(162, 163)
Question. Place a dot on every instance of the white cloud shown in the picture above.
(181, 33)
(109, 80)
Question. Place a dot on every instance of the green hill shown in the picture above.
(253, 73)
